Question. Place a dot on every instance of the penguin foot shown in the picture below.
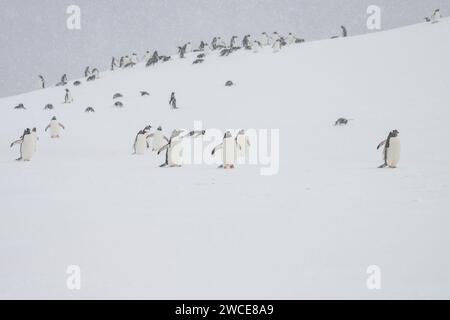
(19, 159)
(163, 165)
(384, 165)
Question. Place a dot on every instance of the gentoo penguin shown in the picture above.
(140, 143)
(87, 72)
(77, 83)
(95, 73)
(41, 82)
(265, 40)
(118, 104)
(344, 32)
(89, 110)
(290, 39)
(221, 43)
(246, 42)
(35, 138)
(174, 150)
(158, 139)
(274, 38)
(68, 97)
(182, 51)
(173, 101)
(153, 60)
(48, 107)
(342, 121)
(188, 47)
(198, 61)
(20, 106)
(134, 58)
(214, 43)
(229, 83)
(147, 56)
(243, 143)
(27, 146)
(256, 46)
(229, 147)
(277, 45)
(63, 81)
(54, 127)
(391, 152)
(436, 16)
(233, 41)
(144, 93)
(113, 64)
(117, 96)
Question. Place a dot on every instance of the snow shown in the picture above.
(197, 232)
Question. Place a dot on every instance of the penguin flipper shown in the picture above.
(220, 146)
(15, 142)
(382, 143)
(163, 148)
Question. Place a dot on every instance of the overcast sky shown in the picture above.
(34, 38)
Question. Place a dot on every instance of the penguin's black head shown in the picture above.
(203, 132)
(395, 133)
(227, 135)
(159, 128)
(27, 131)
(54, 118)
(34, 130)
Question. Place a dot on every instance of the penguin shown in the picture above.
(118, 104)
(48, 107)
(274, 38)
(113, 64)
(201, 56)
(158, 139)
(391, 151)
(229, 147)
(246, 42)
(229, 83)
(27, 146)
(243, 143)
(220, 43)
(436, 16)
(174, 150)
(140, 143)
(344, 32)
(182, 51)
(214, 43)
(77, 83)
(89, 110)
(41, 82)
(35, 138)
(87, 72)
(256, 46)
(342, 122)
(233, 41)
(188, 47)
(265, 40)
(117, 96)
(91, 78)
(173, 101)
(95, 73)
(68, 97)
(20, 106)
(153, 60)
(134, 58)
(290, 39)
(276, 46)
(147, 56)
(144, 93)
(54, 127)
(198, 61)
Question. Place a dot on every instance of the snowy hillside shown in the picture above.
(309, 231)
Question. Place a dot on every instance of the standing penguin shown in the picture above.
(246, 42)
(228, 146)
(27, 146)
(158, 139)
(344, 32)
(265, 40)
(173, 101)
(140, 142)
(277, 45)
(87, 72)
(174, 150)
(41, 82)
(290, 39)
(233, 42)
(391, 152)
(35, 138)
(54, 127)
(436, 16)
(68, 97)
(243, 143)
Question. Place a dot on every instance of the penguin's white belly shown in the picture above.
(393, 152)
(141, 144)
(229, 152)
(27, 148)
(54, 129)
(175, 157)
(158, 142)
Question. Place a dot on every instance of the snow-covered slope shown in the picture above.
(310, 231)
